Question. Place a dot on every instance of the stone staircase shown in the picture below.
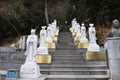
(69, 63)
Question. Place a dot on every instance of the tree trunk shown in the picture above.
(46, 13)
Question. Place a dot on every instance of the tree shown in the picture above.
(46, 13)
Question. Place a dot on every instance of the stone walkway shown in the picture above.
(69, 63)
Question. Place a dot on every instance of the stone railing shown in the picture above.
(113, 50)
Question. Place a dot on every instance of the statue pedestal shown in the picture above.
(77, 38)
(51, 45)
(93, 47)
(83, 45)
(56, 33)
(71, 30)
(42, 50)
(43, 59)
(95, 56)
(42, 77)
(30, 70)
(74, 34)
(84, 40)
(54, 39)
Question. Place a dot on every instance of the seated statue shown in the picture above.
(115, 32)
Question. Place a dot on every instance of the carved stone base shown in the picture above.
(77, 38)
(93, 47)
(43, 59)
(42, 77)
(56, 33)
(51, 45)
(83, 40)
(83, 45)
(42, 50)
(30, 70)
(54, 38)
(95, 56)
(74, 33)
(71, 30)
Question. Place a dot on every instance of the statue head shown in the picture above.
(91, 25)
(49, 25)
(78, 25)
(83, 24)
(116, 23)
(33, 31)
(43, 27)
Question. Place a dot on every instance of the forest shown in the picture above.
(27, 14)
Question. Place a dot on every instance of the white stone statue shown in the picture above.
(43, 35)
(51, 28)
(30, 69)
(78, 30)
(92, 34)
(55, 22)
(34, 39)
(49, 34)
(73, 22)
(22, 43)
(83, 34)
(75, 27)
(93, 47)
(42, 49)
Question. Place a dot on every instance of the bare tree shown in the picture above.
(46, 13)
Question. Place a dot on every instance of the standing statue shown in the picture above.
(43, 36)
(30, 69)
(76, 27)
(55, 22)
(73, 23)
(115, 32)
(93, 46)
(49, 35)
(54, 26)
(34, 39)
(92, 34)
(83, 34)
(78, 30)
(22, 43)
(42, 49)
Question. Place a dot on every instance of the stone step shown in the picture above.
(68, 58)
(60, 42)
(77, 77)
(80, 67)
(59, 57)
(67, 61)
(72, 51)
(65, 48)
(73, 66)
(74, 71)
(67, 53)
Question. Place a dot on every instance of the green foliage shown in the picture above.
(97, 11)
(23, 18)
(27, 14)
